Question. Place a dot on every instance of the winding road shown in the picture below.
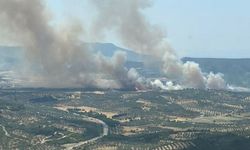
(94, 120)
(5, 131)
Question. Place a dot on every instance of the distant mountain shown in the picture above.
(236, 71)
(108, 49)
(11, 56)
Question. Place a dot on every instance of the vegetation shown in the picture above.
(188, 119)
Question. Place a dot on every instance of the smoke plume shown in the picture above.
(59, 57)
(60, 60)
(126, 19)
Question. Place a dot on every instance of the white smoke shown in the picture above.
(127, 20)
(157, 84)
(215, 81)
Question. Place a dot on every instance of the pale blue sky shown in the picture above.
(198, 28)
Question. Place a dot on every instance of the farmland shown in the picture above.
(185, 119)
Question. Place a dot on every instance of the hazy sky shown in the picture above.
(199, 28)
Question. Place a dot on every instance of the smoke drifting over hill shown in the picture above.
(61, 59)
(135, 32)
(63, 62)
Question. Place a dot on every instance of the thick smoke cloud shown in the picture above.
(60, 59)
(126, 19)
(215, 81)
(157, 84)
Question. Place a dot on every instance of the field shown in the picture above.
(77, 119)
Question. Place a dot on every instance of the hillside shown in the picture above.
(236, 71)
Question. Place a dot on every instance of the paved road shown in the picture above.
(89, 119)
(5, 131)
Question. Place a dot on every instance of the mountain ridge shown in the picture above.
(236, 70)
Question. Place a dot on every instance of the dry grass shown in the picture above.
(131, 130)
(86, 109)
